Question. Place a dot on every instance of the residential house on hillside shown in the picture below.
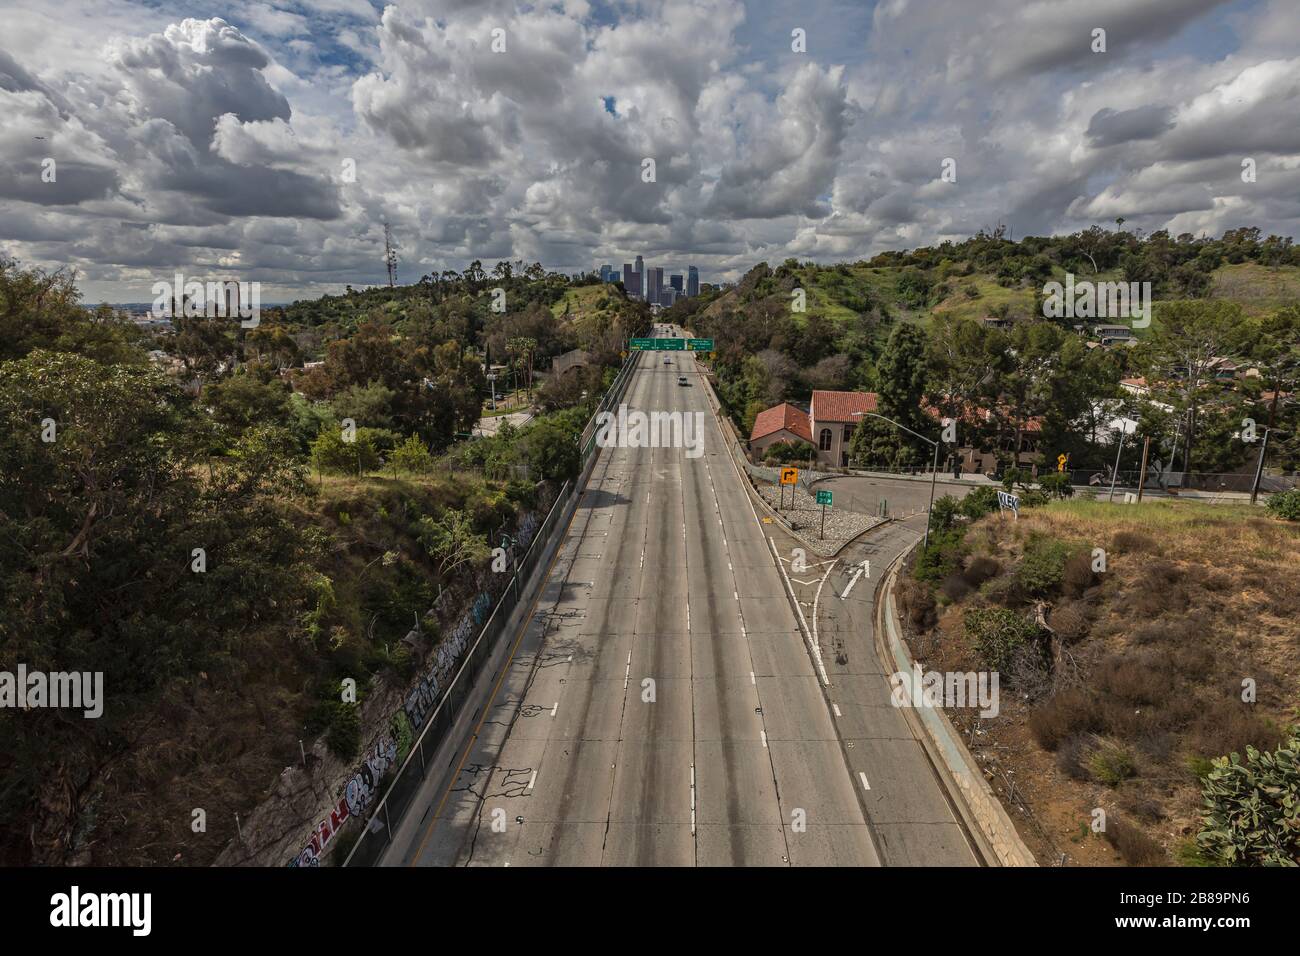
(784, 422)
(833, 417)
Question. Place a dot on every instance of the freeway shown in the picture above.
(661, 706)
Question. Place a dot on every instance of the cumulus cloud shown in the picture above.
(276, 141)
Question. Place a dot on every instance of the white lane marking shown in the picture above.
(555, 708)
(736, 595)
(692, 799)
(865, 566)
(532, 781)
(751, 679)
(627, 674)
(816, 598)
(804, 583)
(813, 649)
(836, 708)
(763, 734)
(863, 777)
(688, 615)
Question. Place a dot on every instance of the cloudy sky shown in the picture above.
(269, 140)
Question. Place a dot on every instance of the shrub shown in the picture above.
(1069, 622)
(1043, 566)
(944, 513)
(980, 569)
(1056, 485)
(1132, 542)
(1132, 843)
(1285, 504)
(1230, 726)
(1111, 763)
(941, 558)
(1077, 575)
(1140, 677)
(916, 601)
(996, 634)
(1068, 713)
(1070, 754)
(954, 587)
(784, 452)
(1252, 809)
(980, 502)
(344, 736)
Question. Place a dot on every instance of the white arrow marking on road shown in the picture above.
(866, 567)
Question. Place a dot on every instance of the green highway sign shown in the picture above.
(658, 345)
(823, 497)
(699, 345)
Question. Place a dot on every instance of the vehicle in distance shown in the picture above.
(681, 380)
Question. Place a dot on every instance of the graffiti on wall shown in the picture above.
(358, 793)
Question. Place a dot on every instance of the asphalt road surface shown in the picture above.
(662, 707)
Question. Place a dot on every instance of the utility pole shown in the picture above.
(1259, 468)
(1142, 476)
(390, 256)
(1115, 474)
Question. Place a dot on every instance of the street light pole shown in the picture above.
(934, 469)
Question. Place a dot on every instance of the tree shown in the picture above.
(412, 456)
(1187, 340)
(334, 455)
(451, 542)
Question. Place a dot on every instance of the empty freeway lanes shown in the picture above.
(661, 707)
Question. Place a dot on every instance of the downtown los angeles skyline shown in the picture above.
(270, 141)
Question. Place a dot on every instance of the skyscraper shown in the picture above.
(676, 282)
(654, 284)
(627, 279)
(692, 281)
(639, 291)
(607, 273)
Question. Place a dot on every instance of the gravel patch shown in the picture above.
(805, 517)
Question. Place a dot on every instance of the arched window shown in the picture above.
(824, 439)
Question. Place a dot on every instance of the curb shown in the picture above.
(984, 817)
(725, 424)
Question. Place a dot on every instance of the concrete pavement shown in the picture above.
(662, 707)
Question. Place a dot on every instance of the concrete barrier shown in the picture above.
(986, 819)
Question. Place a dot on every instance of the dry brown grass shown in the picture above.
(1195, 600)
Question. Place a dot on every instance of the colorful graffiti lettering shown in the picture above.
(358, 793)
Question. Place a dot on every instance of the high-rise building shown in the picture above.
(675, 280)
(627, 278)
(640, 277)
(606, 273)
(654, 285)
(692, 281)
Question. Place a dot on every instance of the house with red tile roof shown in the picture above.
(833, 417)
(784, 422)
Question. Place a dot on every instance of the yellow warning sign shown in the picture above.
(789, 476)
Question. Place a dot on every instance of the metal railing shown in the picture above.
(406, 783)
(390, 810)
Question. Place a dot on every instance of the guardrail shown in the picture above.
(397, 799)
